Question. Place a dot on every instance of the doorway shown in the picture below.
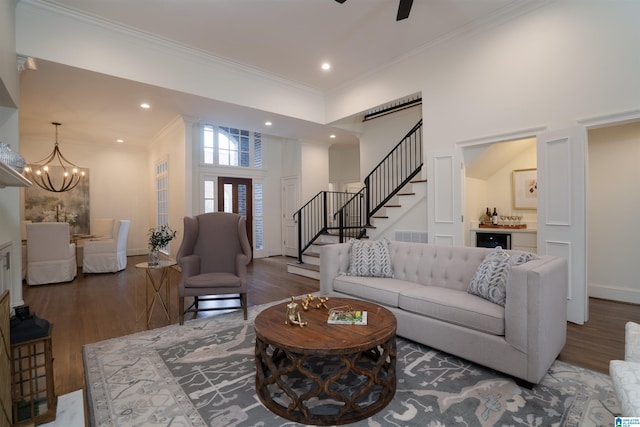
(236, 195)
(612, 211)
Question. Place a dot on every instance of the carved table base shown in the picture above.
(326, 385)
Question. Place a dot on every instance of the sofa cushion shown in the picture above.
(454, 306)
(380, 290)
(370, 259)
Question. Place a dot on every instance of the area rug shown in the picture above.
(203, 374)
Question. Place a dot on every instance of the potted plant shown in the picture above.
(159, 237)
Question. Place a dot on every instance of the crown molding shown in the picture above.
(164, 43)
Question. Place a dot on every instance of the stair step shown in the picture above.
(418, 180)
(312, 254)
(318, 243)
(380, 216)
(306, 270)
(392, 206)
(406, 194)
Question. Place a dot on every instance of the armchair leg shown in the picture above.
(181, 309)
(243, 302)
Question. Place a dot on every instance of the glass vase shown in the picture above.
(154, 257)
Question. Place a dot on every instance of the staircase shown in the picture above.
(393, 188)
(408, 198)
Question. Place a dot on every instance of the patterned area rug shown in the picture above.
(203, 374)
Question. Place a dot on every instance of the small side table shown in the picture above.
(156, 285)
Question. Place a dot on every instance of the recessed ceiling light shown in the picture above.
(332, 136)
(268, 123)
(145, 105)
(119, 141)
(326, 66)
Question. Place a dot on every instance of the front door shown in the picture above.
(236, 195)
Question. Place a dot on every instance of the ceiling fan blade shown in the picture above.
(341, 1)
(404, 8)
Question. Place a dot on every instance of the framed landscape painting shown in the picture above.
(525, 188)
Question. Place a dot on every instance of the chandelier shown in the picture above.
(44, 175)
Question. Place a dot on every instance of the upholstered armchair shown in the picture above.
(50, 256)
(213, 258)
(107, 255)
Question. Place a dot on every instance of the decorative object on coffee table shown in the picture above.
(293, 314)
(291, 382)
(314, 302)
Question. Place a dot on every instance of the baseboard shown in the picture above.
(614, 293)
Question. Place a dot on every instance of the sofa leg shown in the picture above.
(181, 310)
(524, 383)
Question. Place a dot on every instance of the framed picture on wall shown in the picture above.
(525, 188)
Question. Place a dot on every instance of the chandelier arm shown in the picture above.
(50, 186)
(72, 174)
(56, 149)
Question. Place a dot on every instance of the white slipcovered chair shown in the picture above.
(107, 255)
(102, 228)
(625, 374)
(50, 256)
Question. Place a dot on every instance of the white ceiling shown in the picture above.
(286, 38)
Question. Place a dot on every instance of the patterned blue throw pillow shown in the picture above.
(490, 279)
(370, 259)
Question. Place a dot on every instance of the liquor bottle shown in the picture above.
(494, 217)
(486, 219)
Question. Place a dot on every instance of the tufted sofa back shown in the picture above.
(435, 265)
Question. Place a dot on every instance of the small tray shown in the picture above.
(516, 226)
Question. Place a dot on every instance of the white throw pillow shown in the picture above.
(370, 259)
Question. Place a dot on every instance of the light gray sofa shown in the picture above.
(428, 294)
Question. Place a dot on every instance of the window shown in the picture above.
(224, 148)
(231, 147)
(258, 217)
(209, 199)
(257, 150)
(162, 195)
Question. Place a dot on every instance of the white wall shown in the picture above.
(8, 65)
(10, 207)
(613, 210)
(344, 165)
(314, 167)
(380, 135)
(272, 152)
(10, 197)
(561, 62)
(500, 190)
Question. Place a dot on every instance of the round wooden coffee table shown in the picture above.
(326, 374)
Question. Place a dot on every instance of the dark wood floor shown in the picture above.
(96, 307)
